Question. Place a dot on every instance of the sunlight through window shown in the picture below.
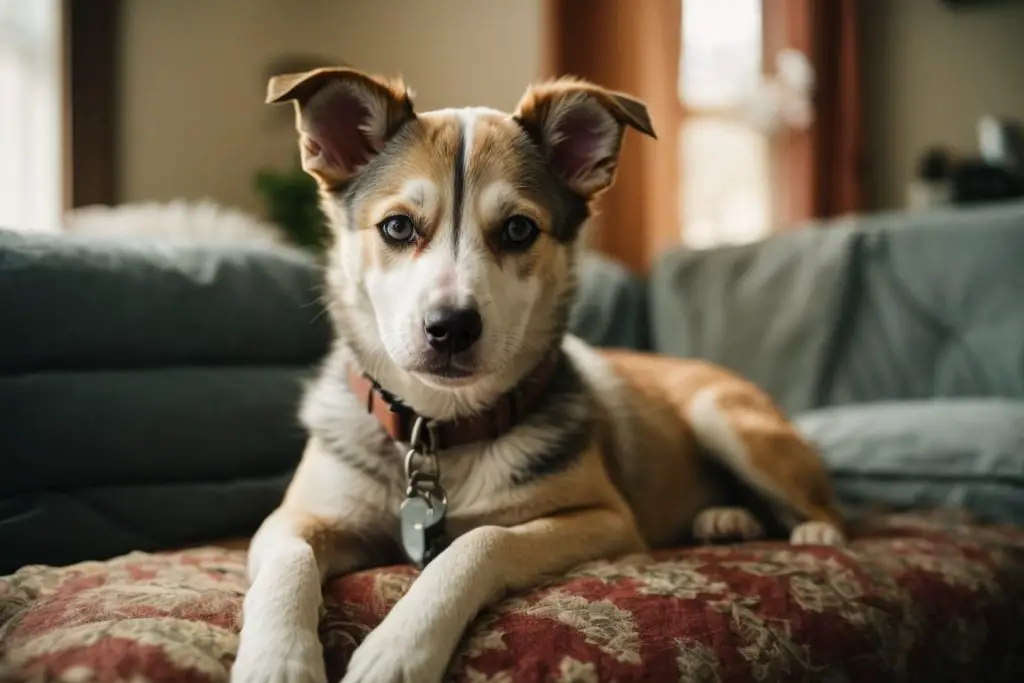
(31, 196)
(725, 161)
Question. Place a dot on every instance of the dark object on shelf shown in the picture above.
(975, 4)
(935, 165)
(974, 181)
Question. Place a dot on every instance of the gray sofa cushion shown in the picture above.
(75, 430)
(936, 308)
(911, 454)
(147, 393)
(94, 464)
(886, 307)
(768, 311)
(71, 303)
(611, 307)
(59, 527)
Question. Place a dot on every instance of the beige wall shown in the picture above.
(194, 124)
(930, 73)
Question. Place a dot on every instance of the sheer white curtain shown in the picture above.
(31, 128)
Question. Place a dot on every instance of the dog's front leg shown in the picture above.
(416, 640)
(288, 559)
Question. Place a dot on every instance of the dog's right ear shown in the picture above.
(343, 116)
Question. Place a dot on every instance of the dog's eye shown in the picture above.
(518, 233)
(397, 229)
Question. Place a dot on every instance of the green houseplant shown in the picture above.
(291, 201)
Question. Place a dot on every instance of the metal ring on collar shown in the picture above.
(427, 486)
(433, 468)
(422, 427)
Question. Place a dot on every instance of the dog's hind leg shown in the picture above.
(741, 427)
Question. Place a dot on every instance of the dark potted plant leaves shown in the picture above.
(291, 200)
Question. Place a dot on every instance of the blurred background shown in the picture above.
(770, 113)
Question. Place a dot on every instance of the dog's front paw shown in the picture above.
(289, 658)
(384, 659)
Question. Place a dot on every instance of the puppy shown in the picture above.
(455, 423)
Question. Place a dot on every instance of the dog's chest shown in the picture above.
(476, 479)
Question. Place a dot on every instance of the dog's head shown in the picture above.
(454, 231)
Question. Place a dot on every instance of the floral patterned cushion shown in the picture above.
(911, 598)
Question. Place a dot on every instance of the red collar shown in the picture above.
(398, 419)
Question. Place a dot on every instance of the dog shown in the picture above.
(455, 423)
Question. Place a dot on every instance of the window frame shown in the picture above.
(688, 112)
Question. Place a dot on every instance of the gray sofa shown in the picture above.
(896, 342)
(147, 394)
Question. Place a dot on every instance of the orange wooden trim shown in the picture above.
(661, 39)
(633, 47)
(551, 62)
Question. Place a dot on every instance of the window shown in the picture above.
(31, 128)
(724, 159)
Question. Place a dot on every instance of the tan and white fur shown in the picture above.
(478, 210)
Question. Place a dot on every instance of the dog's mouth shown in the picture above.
(446, 371)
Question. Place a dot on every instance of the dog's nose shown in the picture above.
(453, 330)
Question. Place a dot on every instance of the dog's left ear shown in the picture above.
(580, 126)
(344, 118)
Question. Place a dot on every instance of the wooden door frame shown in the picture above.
(92, 107)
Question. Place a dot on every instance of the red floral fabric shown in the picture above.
(909, 599)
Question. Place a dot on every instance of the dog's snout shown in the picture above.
(453, 330)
